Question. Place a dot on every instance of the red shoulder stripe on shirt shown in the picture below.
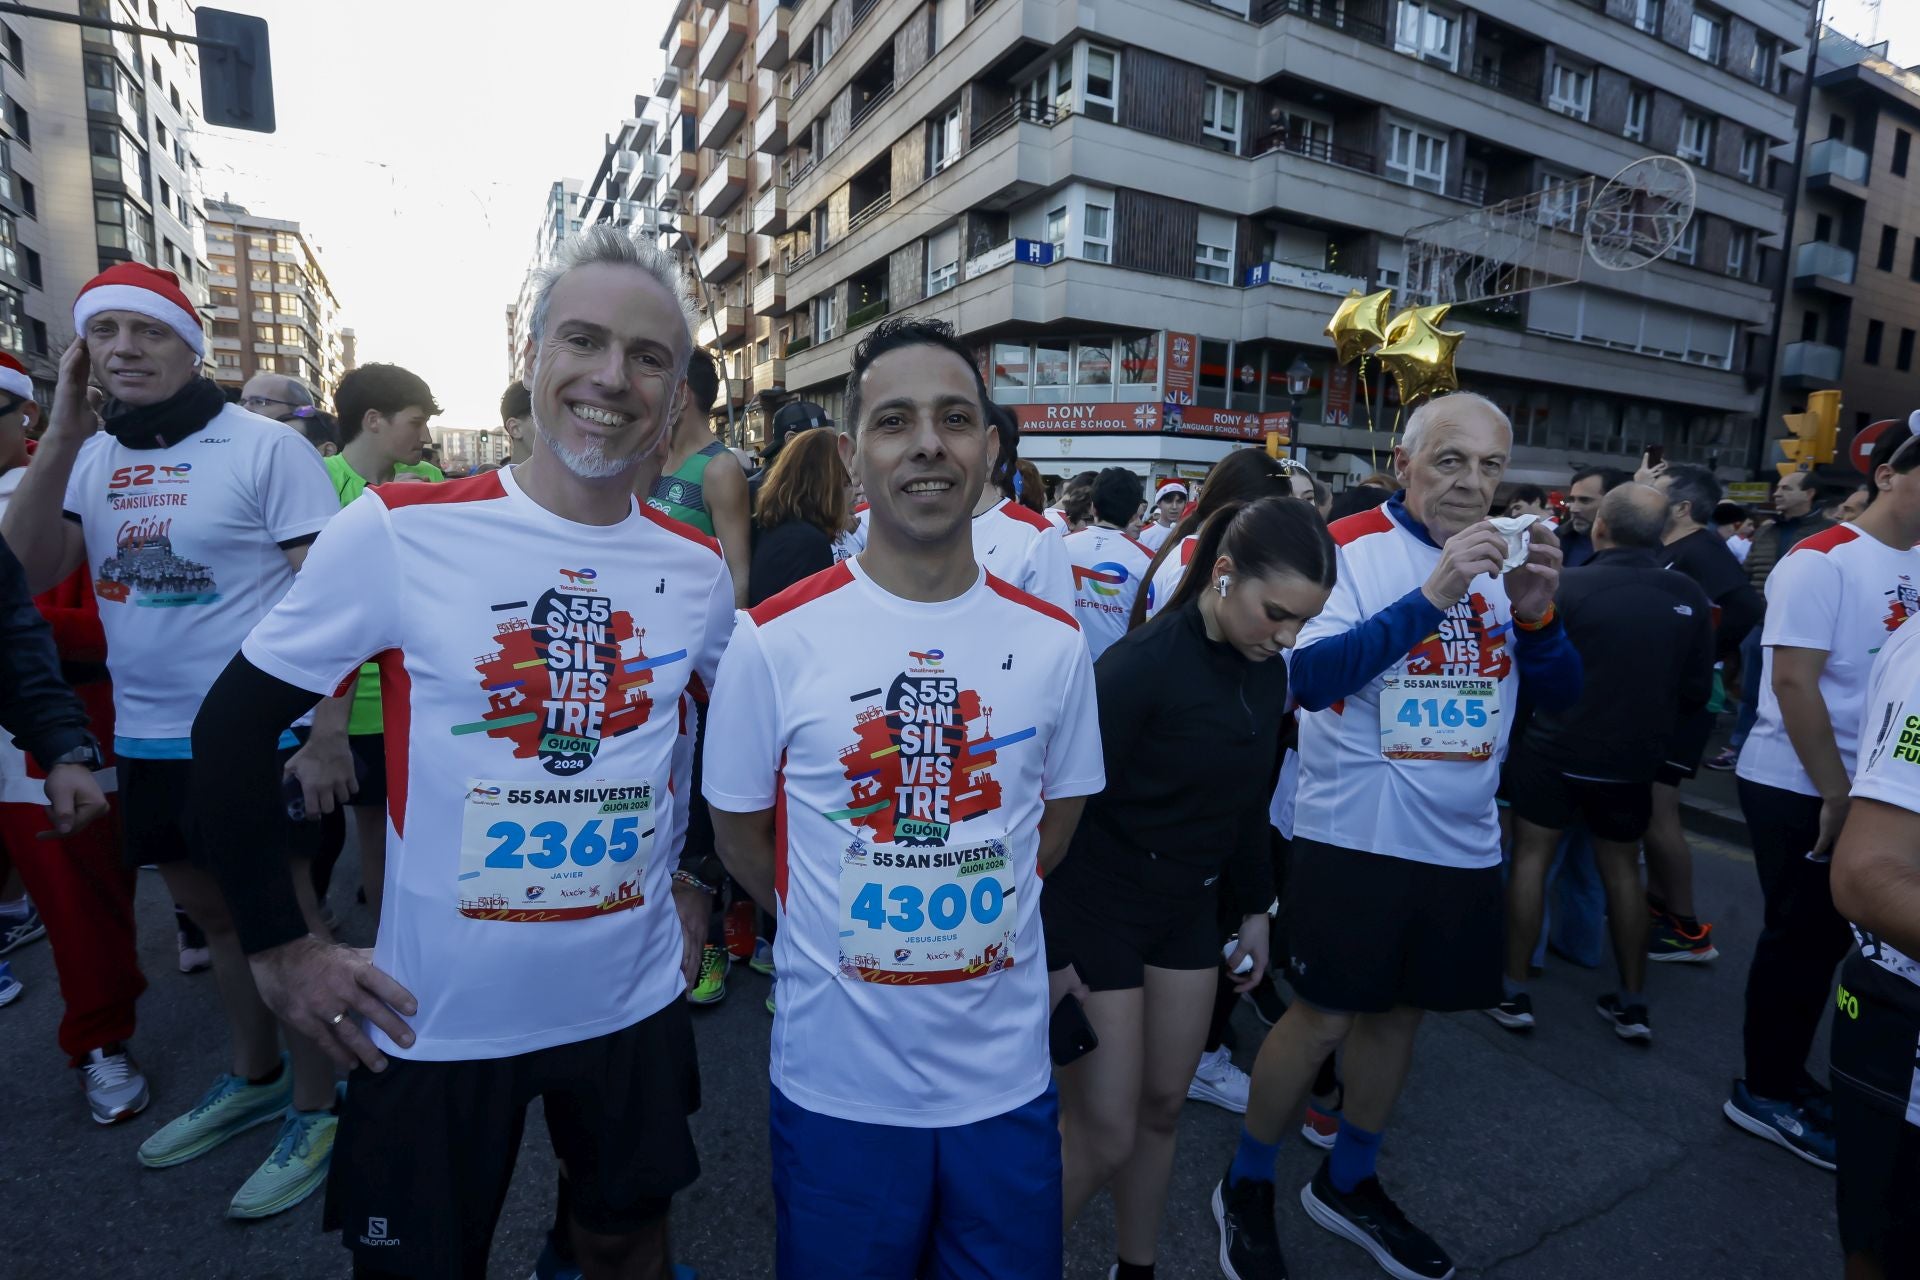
(1014, 511)
(1826, 539)
(802, 592)
(1035, 603)
(480, 488)
(1140, 546)
(1351, 529)
(860, 508)
(686, 531)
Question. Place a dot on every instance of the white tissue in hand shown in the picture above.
(1519, 541)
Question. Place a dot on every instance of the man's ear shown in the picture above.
(370, 417)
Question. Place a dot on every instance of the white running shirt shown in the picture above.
(1153, 533)
(1108, 568)
(184, 546)
(1168, 574)
(1890, 771)
(1842, 591)
(1023, 550)
(908, 750)
(532, 669)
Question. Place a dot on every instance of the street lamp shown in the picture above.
(1299, 377)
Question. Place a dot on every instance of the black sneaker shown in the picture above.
(1629, 1020)
(1369, 1218)
(1249, 1243)
(1266, 1002)
(1515, 1013)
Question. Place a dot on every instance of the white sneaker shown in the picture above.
(1218, 1081)
(193, 959)
(113, 1084)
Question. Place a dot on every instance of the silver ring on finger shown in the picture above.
(337, 1018)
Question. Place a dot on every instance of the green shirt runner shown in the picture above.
(681, 494)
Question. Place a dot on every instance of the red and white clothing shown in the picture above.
(1057, 518)
(1153, 534)
(531, 716)
(1168, 574)
(1020, 548)
(184, 543)
(1843, 592)
(1108, 569)
(908, 750)
(851, 543)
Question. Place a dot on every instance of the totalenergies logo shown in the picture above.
(578, 577)
(930, 658)
(177, 470)
(1103, 579)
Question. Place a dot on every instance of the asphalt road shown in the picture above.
(1565, 1155)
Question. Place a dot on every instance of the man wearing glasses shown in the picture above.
(276, 396)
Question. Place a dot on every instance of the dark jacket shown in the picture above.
(783, 555)
(36, 706)
(1576, 548)
(1645, 636)
(1771, 544)
(1704, 557)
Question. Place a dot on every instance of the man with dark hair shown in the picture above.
(1012, 541)
(1108, 566)
(1075, 488)
(516, 419)
(1589, 485)
(1645, 638)
(907, 884)
(1530, 500)
(392, 404)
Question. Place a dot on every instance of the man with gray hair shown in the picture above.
(1645, 638)
(277, 396)
(536, 939)
(1407, 683)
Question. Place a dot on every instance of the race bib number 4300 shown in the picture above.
(915, 916)
(1439, 718)
(534, 854)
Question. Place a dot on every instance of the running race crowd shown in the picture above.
(841, 717)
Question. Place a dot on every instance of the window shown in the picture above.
(1140, 360)
(943, 260)
(1888, 238)
(1012, 365)
(160, 134)
(1572, 90)
(1823, 227)
(1750, 152)
(1764, 62)
(1902, 142)
(153, 69)
(166, 195)
(1637, 103)
(16, 52)
(1739, 252)
(1428, 31)
(1913, 267)
(1220, 116)
(1416, 158)
(943, 140)
(39, 330)
(1876, 332)
(1057, 231)
(173, 96)
(1096, 232)
(1093, 363)
(1810, 326)
(1903, 358)
(1696, 137)
(1102, 88)
(823, 317)
(1559, 199)
(32, 261)
(1646, 15)
(1054, 85)
(1213, 257)
(1687, 248)
(21, 125)
(1051, 364)
(1707, 40)
(28, 199)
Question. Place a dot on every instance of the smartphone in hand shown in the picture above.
(1070, 1035)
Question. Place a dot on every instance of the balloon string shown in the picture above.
(1366, 396)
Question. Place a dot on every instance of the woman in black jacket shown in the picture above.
(1191, 709)
(801, 509)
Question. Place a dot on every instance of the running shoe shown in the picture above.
(18, 931)
(1218, 1081)
(1322, 1124)
(739, 929)
(762, 961)
(711, 988)
(1629, 1020)
(1797, 1126)
(1725, 760)
(1249, 1242)
(230, 1107)
(10, 986)
(296, 1169)
(115, 1088)
(1367, 1216)
(194, 955)
(1266, 1002)
(1671, 942)
(1515, 1013)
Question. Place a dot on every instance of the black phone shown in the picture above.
(1069, 1032)
(1656, 454)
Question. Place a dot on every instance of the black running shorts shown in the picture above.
(1366, 933)
(369, 767)
(1542, 795)
(1686, 748)
(1111, 913)
(156, 821)
(425, 1150)
(1878, 1182)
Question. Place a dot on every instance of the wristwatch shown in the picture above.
(87, 753)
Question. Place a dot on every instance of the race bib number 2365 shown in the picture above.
(536, 853)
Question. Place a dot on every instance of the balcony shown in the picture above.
(1810, 365)
(770, 42)
(761, 171)
(770, 294)
(1299, 143)
(1832, 165)
(770, 126)
(724, 257)
(1326, 13)
(683, 170)
(685, 45)
(723, 187)
(1817, 264)
(739, 390)
(725, 324)
(771, 375)
(724, 41)
(724, 113)
(770, 213)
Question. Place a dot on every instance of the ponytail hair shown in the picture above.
(1245, 475)
(1270, 536)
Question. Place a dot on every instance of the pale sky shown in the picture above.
(416, 143)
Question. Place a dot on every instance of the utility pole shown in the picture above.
(1803, 120)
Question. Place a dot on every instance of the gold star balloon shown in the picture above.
(1360, 324)
(1420, 357)
(1402, 324)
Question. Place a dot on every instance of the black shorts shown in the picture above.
(1686, 748)
(1546, 797)
(1366, 933)
(1878, 1182)
(1111, 913)
(156, 819)
(425, 1150)
(369, 767)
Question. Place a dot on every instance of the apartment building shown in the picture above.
(96, 164)
(271, 307)
(559, 219)
(1142, 213)
(1852, 302)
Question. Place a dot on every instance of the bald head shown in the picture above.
(275, 395)
(1633, 515)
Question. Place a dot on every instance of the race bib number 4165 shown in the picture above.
(534, 854)
(914, 916)
(1439, 718)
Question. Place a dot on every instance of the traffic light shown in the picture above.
(1815, 433)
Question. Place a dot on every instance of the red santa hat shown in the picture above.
(143, 290)
(1169, 485)
(14, 379)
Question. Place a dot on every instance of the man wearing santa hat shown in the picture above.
(193, 515)
(1169, 499)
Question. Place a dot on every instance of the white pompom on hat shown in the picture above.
(14, 379)
(143, 290)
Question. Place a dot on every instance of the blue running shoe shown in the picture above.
(10, 986)
(1792, 1125)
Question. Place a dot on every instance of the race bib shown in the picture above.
(1439, 718)
(918, 916)
(535, 853)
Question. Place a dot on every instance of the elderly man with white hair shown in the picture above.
(1407, 683)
